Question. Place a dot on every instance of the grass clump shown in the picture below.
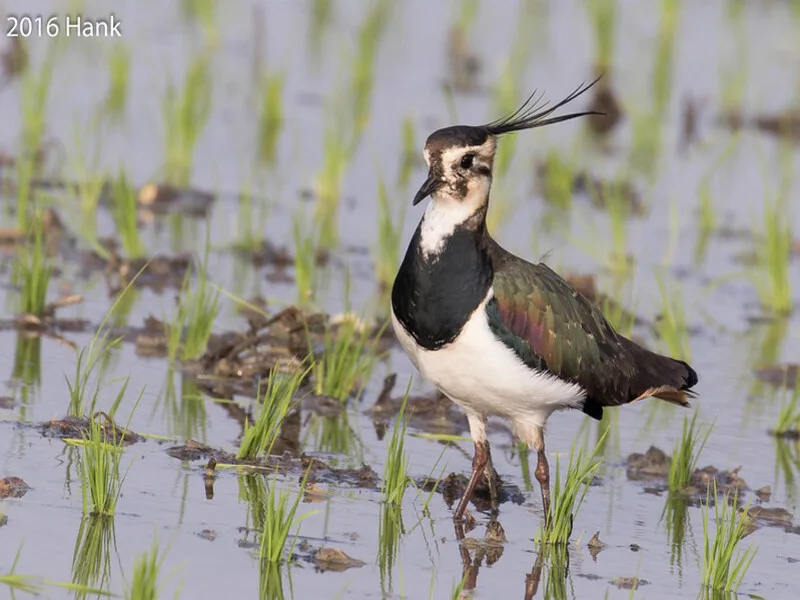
(194, 318)
(346, 362)
(789, 416)
(603, 16)
(772, 276)
(146, 569)
(34, 274)
(280, 519)
(671, 325)
(119, 69)
(125, 213)
(568, 496)
(390, 232)
(276, 401)
(91, 558)
(270, 120)
(724, 565)
(686, 453)
(185, 116)
(395, 470)
(305, 259)
(101, 480)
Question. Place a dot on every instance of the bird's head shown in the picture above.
(460, 158)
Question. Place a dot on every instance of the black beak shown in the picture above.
(431, 184)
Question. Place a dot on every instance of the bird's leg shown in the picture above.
(491, 479)
(477, 427)
(543, 477)
(478, 466)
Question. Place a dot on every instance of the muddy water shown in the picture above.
(208, 553)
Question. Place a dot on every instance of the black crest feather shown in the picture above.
(534, 112)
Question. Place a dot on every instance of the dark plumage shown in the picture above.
(553, 328)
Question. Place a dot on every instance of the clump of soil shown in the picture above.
(79, 428)
(653, 466)
(13, 487)
(333, 559)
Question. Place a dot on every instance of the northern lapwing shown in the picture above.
(499, 335)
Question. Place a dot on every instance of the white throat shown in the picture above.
(445, 212)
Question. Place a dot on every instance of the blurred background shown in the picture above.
(179, 201)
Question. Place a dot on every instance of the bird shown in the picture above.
(499, 335)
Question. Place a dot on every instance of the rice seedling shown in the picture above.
(686, 453)
(390, 528)
(119, 68)
(568, 496)
(724, 564)
(337, 152)
(89, 187)
(101, 480)
(197, 309)
(18, 582)
(409, 154)
(665, 54)
(251, 221)
(270, 582)
(144, 583)
(90, 366)
(347, 361)
(367, 50)
(91, 558)
(34, 273)
(788, 422)
(390, 232)
(321, 14)
(671, 327)
(185, 114)
(276, 400)
(305, 259)
(33, 102)
(603, 17)
(771, 277)
(204, 13)
(507, 89)
(458, 589)
(557, 181)
(270, 118)
(395, 469)
(124, 210)
(557, 571)
(279, 520)
(619, 213)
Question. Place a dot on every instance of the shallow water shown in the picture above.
(165, 497)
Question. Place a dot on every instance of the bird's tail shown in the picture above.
(663, 377)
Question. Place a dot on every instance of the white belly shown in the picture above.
(483, 375)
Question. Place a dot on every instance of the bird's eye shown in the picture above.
(466, 161)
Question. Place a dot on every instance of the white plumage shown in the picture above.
(485, 377)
